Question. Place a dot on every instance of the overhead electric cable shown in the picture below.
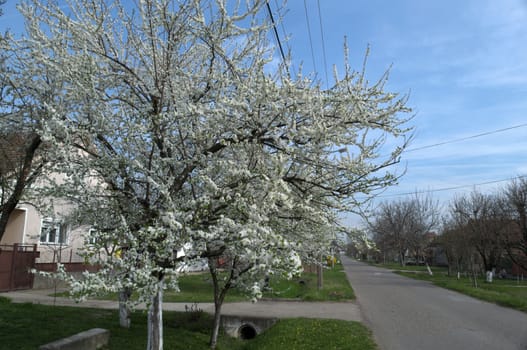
(286, 36)
(451, 188)
(466, 138)
(310, 38)
(323, 44)
(277, 36)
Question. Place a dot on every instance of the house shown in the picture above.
(30, 223)
(56, 240)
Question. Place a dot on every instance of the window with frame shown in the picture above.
(92, 236)
(52, 232)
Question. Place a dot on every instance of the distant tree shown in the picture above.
(484, 222)
(516, 238)
(454, 241)
(360, 244)
(401, 226)
(173, 123)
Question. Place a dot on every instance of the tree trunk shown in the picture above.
(221, 291)
(216, 327)
(219, 296)
(124, 310)
(155, 321)
(23, 179)
(401, 259)
(320, 274)
(450, 262)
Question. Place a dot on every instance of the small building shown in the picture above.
(35, 223)
(56, 240)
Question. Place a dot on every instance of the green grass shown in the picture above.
(335, 287)
(26, 326)
(301, 334)
(197, 288)
(507, 293)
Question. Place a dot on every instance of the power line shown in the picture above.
(466, 138)
(310, 38)
(443, 189)
(286, 36)
(277, 36)
(323, 44)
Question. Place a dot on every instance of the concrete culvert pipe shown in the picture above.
(247, 331)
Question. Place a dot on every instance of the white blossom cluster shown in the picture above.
(176, 137)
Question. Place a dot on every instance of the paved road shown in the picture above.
(406, 314)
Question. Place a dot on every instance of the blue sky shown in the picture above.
(464, 64)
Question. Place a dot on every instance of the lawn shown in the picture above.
(509, 293)
(335, 287)
(197, 288)
(26, 326)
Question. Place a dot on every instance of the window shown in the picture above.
(52, 232)
(92, 236)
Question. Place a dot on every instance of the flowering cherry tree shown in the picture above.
(180, 142)
(22, 156)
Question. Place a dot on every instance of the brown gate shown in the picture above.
(15, 263)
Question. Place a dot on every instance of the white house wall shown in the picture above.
(25, 222)
(24, 226)
(65, 253)
(15, 227)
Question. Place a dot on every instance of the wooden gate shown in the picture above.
(16, 261)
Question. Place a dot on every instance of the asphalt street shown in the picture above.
(407, 314)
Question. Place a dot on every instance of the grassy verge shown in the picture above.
(26, 326)
(300, 334)
(335, 287)
(197, 288)
(507, 293)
